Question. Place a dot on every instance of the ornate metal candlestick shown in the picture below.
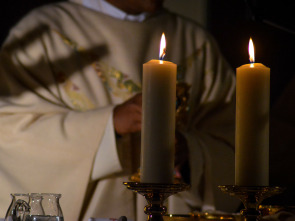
(251, 197)
(156, 194)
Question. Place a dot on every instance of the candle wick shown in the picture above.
(163, 54)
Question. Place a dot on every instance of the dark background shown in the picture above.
(232, 23)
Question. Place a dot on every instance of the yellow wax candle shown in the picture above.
(158, 121)
(252, 123)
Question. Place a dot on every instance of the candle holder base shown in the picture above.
(155, 195)
(251, 197)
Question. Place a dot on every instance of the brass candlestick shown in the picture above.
(251, 197)
(155, 195)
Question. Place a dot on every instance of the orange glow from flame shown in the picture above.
(251, 51)
(162, 47)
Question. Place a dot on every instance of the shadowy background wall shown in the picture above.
(232, 22)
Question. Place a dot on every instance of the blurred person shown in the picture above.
(70, 107)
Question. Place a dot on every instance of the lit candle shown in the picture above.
(158, 121)
(252, 123)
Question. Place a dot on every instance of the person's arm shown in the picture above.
(213, 127)
(210, 131)
(125, 119)
(50, 130)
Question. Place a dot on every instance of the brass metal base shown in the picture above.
(155, 195)
(251, 197)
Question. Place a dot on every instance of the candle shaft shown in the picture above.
(158, 122)
(252, 125)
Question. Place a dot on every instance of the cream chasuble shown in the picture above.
(62, 70)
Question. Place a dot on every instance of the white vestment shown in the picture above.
(64, 67)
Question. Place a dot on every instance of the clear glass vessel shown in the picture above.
(18, 208)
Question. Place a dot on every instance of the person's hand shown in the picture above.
(181, 163)
(127, 116)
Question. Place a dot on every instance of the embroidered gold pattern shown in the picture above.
(79, 100)
(116, 82)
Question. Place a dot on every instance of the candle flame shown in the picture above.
(162, 47)
(251, 51)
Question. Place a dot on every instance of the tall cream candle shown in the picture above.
(252, 123)
(158, 124)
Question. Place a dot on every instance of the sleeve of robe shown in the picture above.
(46, 145)
(210, 133)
